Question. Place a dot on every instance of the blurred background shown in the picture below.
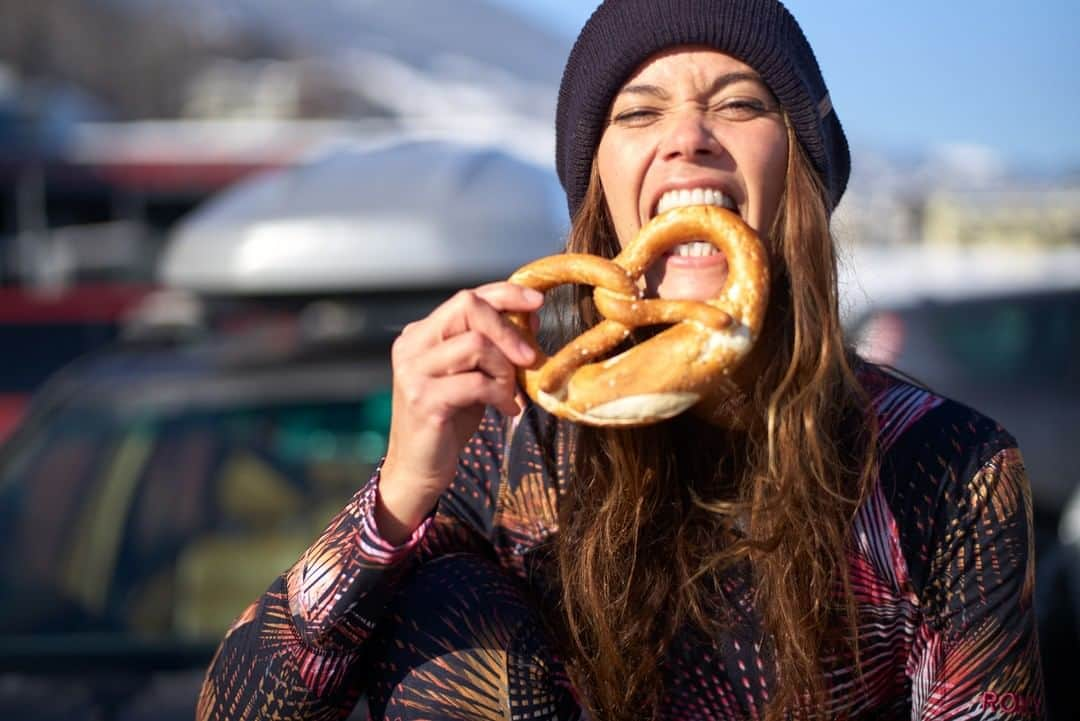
(215, 215)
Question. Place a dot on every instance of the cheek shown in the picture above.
(620, 176)
(777, 170)
(770, 174)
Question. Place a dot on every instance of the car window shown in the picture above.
(44, 348)
(170, 523)
(993, 342)
(1009, 339)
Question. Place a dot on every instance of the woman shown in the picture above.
(840, 544)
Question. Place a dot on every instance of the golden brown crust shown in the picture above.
(675, 369)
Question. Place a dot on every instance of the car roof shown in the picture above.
(416, 213)
(245, 371)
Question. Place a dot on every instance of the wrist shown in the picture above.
(400, 509)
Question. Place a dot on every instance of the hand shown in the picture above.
(447, 367)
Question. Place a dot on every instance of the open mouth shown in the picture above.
(694, 196)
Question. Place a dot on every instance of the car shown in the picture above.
(1013, 357)
(155, 488)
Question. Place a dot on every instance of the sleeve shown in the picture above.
(297, 652)
(976, 654)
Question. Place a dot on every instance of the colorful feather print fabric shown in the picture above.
(445, 625)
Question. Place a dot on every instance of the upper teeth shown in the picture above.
(695, 196)
(695, 248)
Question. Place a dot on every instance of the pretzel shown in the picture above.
(672, 371)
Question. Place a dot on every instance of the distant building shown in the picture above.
(877, 217)
(1038, 216)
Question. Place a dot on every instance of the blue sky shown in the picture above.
(907, 76)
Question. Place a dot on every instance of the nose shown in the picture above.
(689, 135)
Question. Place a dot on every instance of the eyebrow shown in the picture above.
(717, 85)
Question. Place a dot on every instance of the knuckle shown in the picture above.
(413, 395)
(476, 345)
(398, 350)
(487, 288)
(466, 298)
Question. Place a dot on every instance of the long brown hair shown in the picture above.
(655, 521)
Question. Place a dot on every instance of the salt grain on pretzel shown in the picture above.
(673, 370)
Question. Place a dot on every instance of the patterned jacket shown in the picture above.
(941, 564)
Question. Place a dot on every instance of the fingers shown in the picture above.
(478, 310)
(476, 388)
(443, 398)
(465, 371)
(465, 353)
(469, 353)
(510, 297)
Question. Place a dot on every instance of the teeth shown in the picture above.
(697, 248)
(696, 196)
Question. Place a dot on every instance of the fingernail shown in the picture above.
(533, 295)
(526, 350)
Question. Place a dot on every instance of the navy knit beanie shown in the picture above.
(622, 34)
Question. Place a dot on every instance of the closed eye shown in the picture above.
(635, 116)
(743, 108)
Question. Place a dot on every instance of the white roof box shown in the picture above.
(419, 214)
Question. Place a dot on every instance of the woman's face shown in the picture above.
(692, 126)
